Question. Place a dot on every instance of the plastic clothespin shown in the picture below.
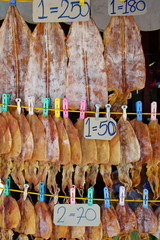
(97, 106)
(1, 186)
(90, 196)
(153, 111)
(56, 196)
(26, 186)
(46, 102)
(42, 191)
(106, 197)
(145, 198)
(5, 102)
(82, 109)
(81, 2)
(30, 105)
(18, 101)
(139, 110)
(7, 186)
(124, 108)
(121, 195)
(65, 108)
(13, 2)
(73, 194)
(57, 107)
(108, 114)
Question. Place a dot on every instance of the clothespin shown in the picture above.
(81, 2)
(7, 186)
(56, 196)
(153, 111)
(124, 108)
(73, 194)
(13, 2)
(121, 195)
(5, 102)
(106, 197)
(108, 114)
(42, 191)
(18, 101)
(139, 110)
(57, 107)
(46, 102)
(1, 186)
(82, 109)
(26, 186)
(90, 196)
(30, 105)
(145, 198)
(65, 108)
(97, 106)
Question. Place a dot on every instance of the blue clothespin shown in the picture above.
(13, 2)
(145, 198)
(139, 110)
(90, 196)
(42, 191)
(106, 197)
(46, 103)
(5, 102)
(7, 186)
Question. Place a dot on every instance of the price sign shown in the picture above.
(126, 7)
(60, 11)
(101, 128)
(76, 215)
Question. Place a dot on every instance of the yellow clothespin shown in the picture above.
(81, 2)
(57, 107)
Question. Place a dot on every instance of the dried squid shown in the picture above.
(86, 73)
(127, 220)
(142, 133)
(15, 148)
(44, 221)
(152, 166)
(124, 59)
(27, 146)
(93, 232)
(76, 153)
(130, 151)
(157, 233)
(14, 52)
(9, 216)
(47, 66)
(27, 224)
(89, 156)
(146, 221)
(110, 224)
(35, 171)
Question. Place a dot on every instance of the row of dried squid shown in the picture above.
(80, 66)
(26, 219)
(32, 149)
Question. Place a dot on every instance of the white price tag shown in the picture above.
(126, 7)
(76, 215)
(60, 11)
(102, 128)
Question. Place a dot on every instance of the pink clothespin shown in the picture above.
(153, 111)
(73, 194)
(65, 108)
(82, 109)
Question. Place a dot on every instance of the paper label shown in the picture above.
(60, 11)
(127, 7)
(101, 128)
(76, 215)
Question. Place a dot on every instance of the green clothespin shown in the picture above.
(46, 103)
(7, 186)
(5, 102)
(90, 196)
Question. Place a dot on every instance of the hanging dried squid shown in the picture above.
(157, 233)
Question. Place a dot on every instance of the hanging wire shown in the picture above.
(23, 1)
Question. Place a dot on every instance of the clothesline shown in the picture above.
(23, 1)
